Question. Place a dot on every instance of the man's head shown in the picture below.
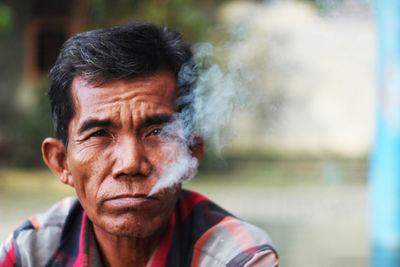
(114, 95)
(133, 50)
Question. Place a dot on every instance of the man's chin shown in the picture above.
(131, 228)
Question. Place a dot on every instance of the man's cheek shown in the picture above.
(83, 175)
(167, 152)
(90, 153)
(177, 165)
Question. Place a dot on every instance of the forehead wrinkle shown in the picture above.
(134, 98)
(99, 103)
(129, 115)
(146, 109)
(139, 92)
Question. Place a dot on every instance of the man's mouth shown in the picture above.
(130, 202)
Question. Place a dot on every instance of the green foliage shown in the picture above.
(6, 17)
(325, 6)
(187, 16)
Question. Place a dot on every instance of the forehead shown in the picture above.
(158, 90)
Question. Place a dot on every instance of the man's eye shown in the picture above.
(99, 133)
(157, 131)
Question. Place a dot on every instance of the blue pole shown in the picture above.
(384, 176)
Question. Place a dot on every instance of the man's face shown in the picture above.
(117, 151)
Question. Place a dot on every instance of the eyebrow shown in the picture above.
(161, 118)
(93, 123)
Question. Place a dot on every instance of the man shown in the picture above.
(122, 107)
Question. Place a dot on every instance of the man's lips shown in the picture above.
(127, 201)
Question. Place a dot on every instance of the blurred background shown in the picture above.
(292, 156)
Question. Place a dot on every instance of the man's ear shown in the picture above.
(55, 157)
(197, 146)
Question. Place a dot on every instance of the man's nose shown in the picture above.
(131, 159)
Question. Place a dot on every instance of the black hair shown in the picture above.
(121, 52)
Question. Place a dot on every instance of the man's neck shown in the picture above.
(125, 251)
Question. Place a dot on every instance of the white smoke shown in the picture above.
(181, 168)
(220, 92)
(179, 164)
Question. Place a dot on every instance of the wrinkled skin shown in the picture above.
(123, 158)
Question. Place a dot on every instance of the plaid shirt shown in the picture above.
(199, 234)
